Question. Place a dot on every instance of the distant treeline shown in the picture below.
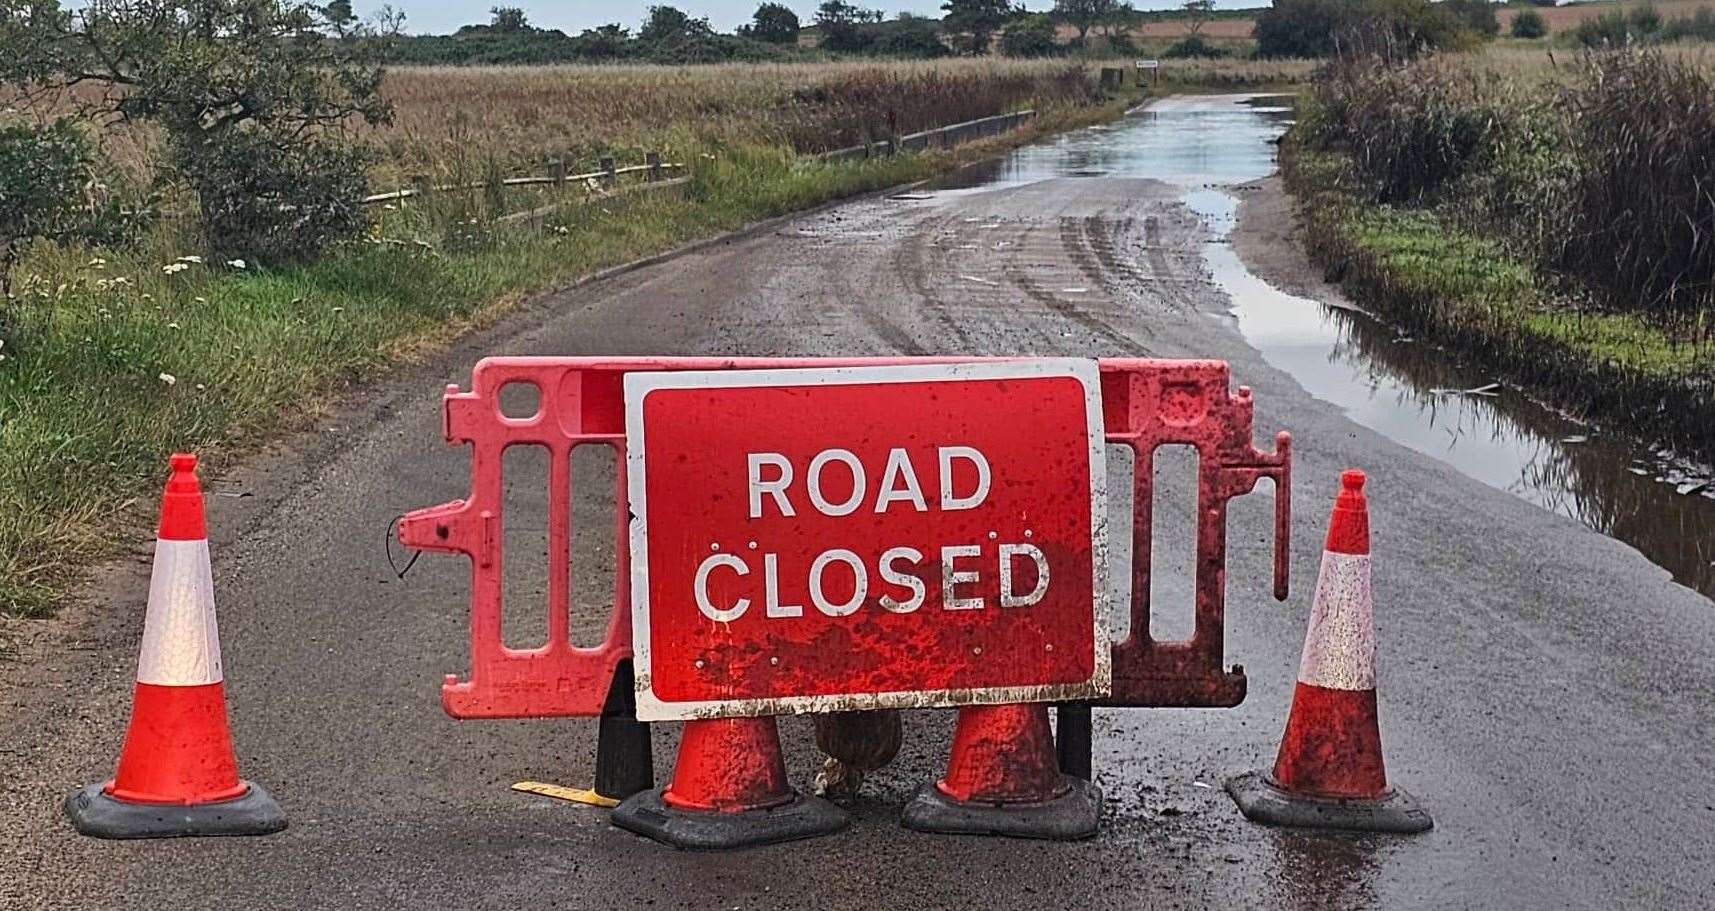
(775, 33)
(668, 35)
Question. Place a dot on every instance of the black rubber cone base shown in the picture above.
(1261, 801)
(1069, 817)
(93, 812)
(705, 830)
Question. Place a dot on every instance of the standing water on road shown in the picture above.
(1419, 396)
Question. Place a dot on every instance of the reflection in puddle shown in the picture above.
(1323, 870)
(1407, 391)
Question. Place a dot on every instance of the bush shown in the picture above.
(49, 192)
(42, 175)
(1032, 36)
(1394, 29)
(273, 198)
(1477, 15)
(1644, 21)
(908, 36)
(1610, 30)
(1699, 26)
(1193, 47)
(1301, 28)
(1529, 24)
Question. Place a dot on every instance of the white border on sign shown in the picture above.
(638, 386)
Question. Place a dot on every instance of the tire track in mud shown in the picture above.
(909, 266)
(1018, 274)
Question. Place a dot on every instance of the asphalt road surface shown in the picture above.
(1545, 691)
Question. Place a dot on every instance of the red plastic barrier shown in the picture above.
(1146, 403)
(1151, 403)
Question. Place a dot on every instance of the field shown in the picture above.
(1564, 18)
(113, 358)
(1557, 18)
(522, 115)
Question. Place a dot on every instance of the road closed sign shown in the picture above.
(845, 538)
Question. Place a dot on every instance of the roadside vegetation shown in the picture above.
(1556, 219)
(188, 265)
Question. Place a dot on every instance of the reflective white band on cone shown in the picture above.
(181, 643)
(1340, 649)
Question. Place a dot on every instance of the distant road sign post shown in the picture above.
(836, 538)
(1153, 67)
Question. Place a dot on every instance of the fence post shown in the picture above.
(557, 171)
(607, 168)
(419, 186)
(653, 160)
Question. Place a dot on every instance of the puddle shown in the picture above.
(1410, 392)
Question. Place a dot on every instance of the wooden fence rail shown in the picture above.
(941, 137)
(652, 166)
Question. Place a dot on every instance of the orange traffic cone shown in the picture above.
(1329, 773)
(177, 773)
(729, 790)
(1003, 779)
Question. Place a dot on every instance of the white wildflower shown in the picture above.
(169, 379)
(174, 268)
(195, 260)
(237, 264)
(172, 325)
(97, 262)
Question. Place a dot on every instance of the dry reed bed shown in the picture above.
(1550, 215)
(523, 114)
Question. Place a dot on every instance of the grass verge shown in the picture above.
(115, 359)
(1423, 272)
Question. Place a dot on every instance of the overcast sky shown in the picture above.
(441, 16)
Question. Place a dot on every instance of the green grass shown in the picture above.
(1472, 280)
(114, 361)
(1421, 269)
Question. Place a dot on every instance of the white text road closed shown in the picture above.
(845, 538)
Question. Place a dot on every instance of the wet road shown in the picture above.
(1547, 691)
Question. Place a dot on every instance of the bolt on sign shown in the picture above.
(841, 538)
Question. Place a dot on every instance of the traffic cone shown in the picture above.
(729, 790)
(1003, 779)
(1329, 773)
(177, 774)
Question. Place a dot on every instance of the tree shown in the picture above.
(1116, 23)
(668, 24)
(255, 105)
(979, 19)
(340, 16)
(1197, 13)
(1529, 24)
(1031, 36)
(1082, 14)
(842, 26)
(773, 23)
(509, 19)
